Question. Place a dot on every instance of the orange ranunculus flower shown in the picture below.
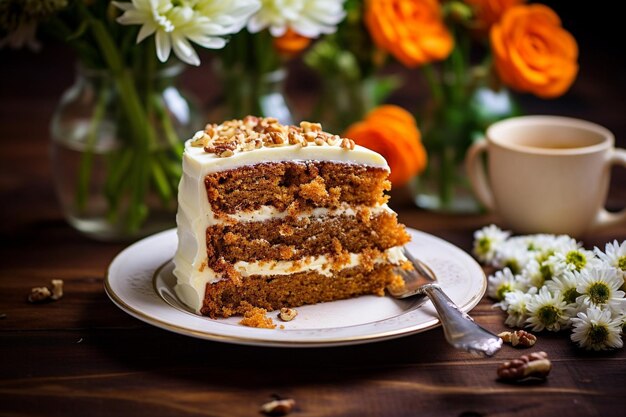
(488, 12)
(291, 43)
(392, 132)
(533, 53)
(412, 31)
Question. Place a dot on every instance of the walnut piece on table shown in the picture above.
(278, 407)
(534, 365)
(518, 338)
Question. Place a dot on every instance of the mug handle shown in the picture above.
(476, 173)
(605, 218)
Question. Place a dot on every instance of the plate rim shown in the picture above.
(260, 341)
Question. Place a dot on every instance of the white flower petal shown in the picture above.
(163, 45)
(184, 51)
(132, 17)
(256, 24)
(146, 30)
(209, 42)
(122, 5)
(278, 31)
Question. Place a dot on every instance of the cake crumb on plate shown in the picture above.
(257, 317)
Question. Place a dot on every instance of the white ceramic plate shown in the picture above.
(140, 282)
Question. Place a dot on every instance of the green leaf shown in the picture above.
(384, 86)
(79, 32)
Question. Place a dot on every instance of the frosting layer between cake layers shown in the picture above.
(195, 214)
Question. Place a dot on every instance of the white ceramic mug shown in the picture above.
(546, 174)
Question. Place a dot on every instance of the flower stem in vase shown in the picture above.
(86, 163)
(446, 175)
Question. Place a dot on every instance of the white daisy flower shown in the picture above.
(574, 260)
(600, 286)
(544, 246)
(486, 242)
(176, 23)
(501, 283)
(309, 18)
(597, 330)
(532, 275)
(546, 311)
(615, 255)
(565, 283)
(512, 255)
(514, 304)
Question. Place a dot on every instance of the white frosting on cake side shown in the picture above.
(195, 213)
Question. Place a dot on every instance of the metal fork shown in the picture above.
(459, 328)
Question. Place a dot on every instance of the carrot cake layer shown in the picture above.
(309, 184)
(289, 238)
(271, 292)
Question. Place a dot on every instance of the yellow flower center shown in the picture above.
(598, 334)
(548, 315)
(570, 295)
(513, 265)
(577, 259)
(599, 292)
(546, 272)
(502, 290)
(483, 245)
(621, 263)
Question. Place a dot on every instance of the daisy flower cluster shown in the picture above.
(550, 282)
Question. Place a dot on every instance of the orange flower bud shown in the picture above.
(412, 31)
(533, 53)
(392, 132)
(291, 43)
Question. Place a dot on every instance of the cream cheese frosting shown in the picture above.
(195, 213)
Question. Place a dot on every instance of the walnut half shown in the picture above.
(278, 407)
(535, 365)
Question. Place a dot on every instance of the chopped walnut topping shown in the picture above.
(347, 143)
(252, 132)
(310, 127)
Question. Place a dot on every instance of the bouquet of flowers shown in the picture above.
(548, 282)
(469, 51)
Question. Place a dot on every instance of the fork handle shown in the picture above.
(459, 328)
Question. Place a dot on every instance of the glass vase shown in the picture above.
(116, 147)
(247, 92)
(343, 102)
(447, 134)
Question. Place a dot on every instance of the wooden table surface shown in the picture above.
(83, 356)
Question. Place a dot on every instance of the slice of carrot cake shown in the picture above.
(275, 216)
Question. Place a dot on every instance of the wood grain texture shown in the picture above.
(83, 356)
